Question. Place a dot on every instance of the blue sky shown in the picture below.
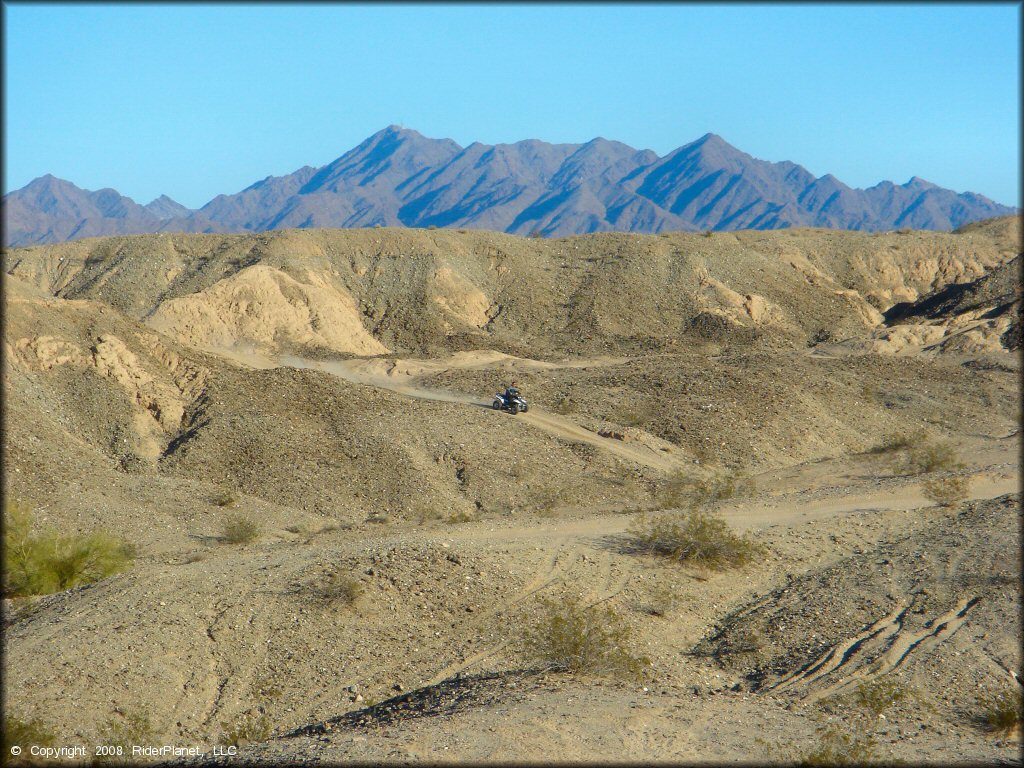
(197, 100)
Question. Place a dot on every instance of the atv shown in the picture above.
(513, 404)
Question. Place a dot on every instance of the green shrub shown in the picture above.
(946, 491)
(25, 734)
(43, 562)
(244, 730)
(570, 637)
(239, 529)
(693, 537)
(1003, 712)
(132, 728)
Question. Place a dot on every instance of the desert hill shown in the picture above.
(400, 178)
(367, 292)
(333, 387)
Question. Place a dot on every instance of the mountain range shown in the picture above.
(400, 178)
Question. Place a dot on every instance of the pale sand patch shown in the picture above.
(266, 307)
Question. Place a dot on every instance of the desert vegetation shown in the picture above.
(948, 490)
(25, 733)
(684, 490)
(1003, 712)
(335, 588)
(917, 453)
(42, 561)
(244, 729)
(127, 729)
(226, 498)
(568, 636)
(694, 537)
(239, 529)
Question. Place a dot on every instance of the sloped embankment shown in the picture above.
(366, 292)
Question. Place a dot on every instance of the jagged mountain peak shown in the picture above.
(399, 177)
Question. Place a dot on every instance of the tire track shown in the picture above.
(547, 575)
(876, 651)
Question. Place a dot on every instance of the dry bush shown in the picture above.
(916, 453)
(336, 588)
(570, 637)
(878, 695)
(660, 600)
(946, 491)
(226, 498)
(635, 415)
(869, 392)
(681, 490)
(239, 529)
(244, 730)
(836, 746)
(426, 513)
(898, 441)
(378, 519)
(743, 640)
(548, 499)
(43, 562)
(930, 457)
(693, 537)
(462, 516)
(1003, 712)
(565, 406)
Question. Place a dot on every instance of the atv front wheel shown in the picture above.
(496, 405)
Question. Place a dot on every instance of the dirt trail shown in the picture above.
(399, 377)
(744, 515)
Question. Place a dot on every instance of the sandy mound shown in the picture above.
(264, 307)
(465, 303)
